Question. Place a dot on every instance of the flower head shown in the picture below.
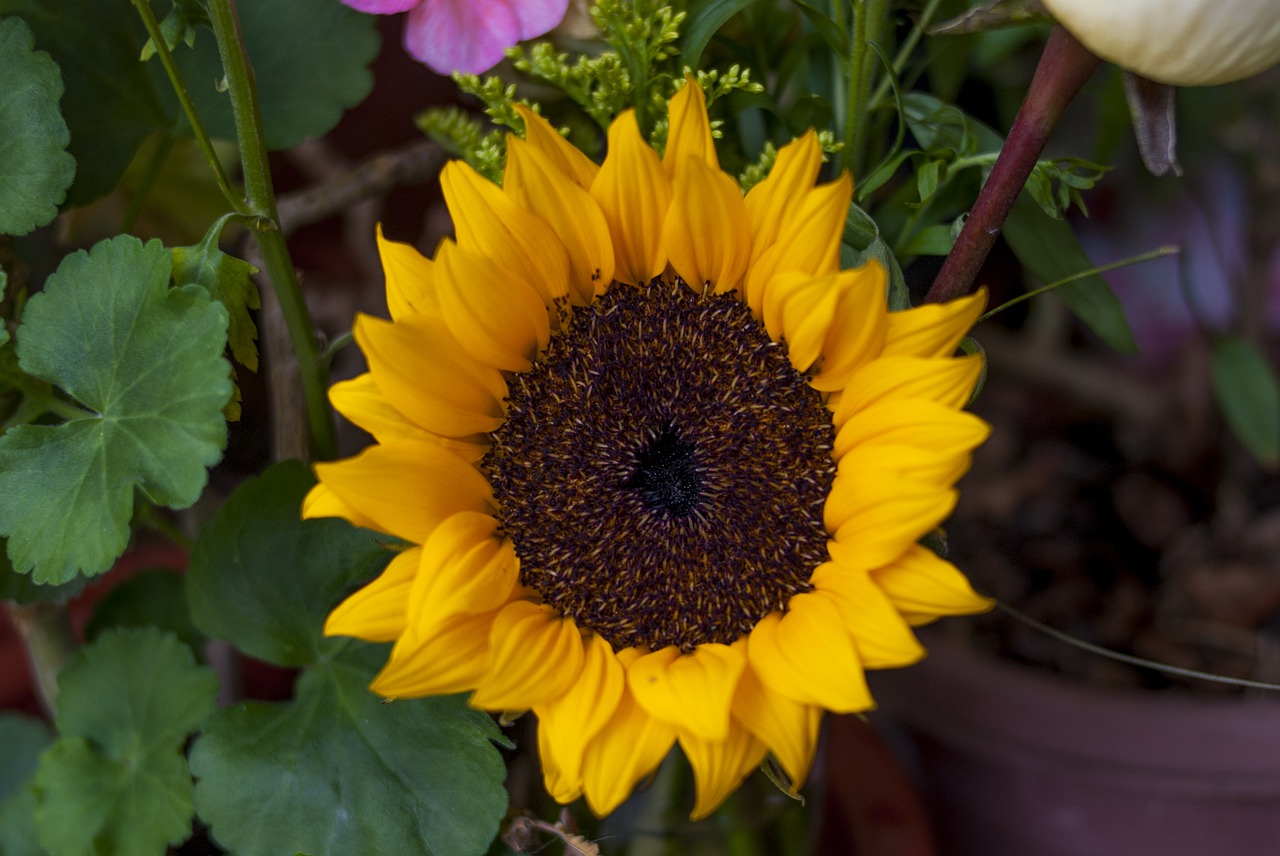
(1182, 42)
(467, 35)
(663, 465)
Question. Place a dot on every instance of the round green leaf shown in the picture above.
(146, 363)
(336, 772)
(22, 739)
(35, 169)
(310, 60)
(116, 781)
(152, 598)
(264, 578)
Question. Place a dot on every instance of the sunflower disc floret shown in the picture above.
(663, 466)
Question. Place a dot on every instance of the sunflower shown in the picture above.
(663, 465)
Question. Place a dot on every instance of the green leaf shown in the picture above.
(21, 742)
(935, 240)
(1049, 249)
(112, 102)
(180, 26)
(1249, 394)
(264, 578)
(310, 59)
(927, 178)
(117, 782)
(837, 40)
(705, 20)
(150, 598)
(4, 330)
(146, 363)
(861, 242)
(336, 771)
(20, 588)
(227, 279)
(35, 169)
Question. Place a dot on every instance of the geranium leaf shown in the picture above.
(227, 279)
(310, 59)
(151, 598)
(35, 169)
(112, 101)
(264, 578)
(20, 588)
(21, 742)
(335, 771)
(145, 361)
(116, 781)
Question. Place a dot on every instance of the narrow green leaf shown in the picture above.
(227, 278)
(116, 781)
(1049, 249)
(336, 772)
(837, 40)
(862, 242)
(146, 363)
(35, 169)
(935, 240)
(264, 578)
(927, 178)
(706, 17)
(1249, 395)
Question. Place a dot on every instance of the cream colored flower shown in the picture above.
(1182, 42)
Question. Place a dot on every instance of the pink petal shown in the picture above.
(381, 7)
(472, 35)
(539, 16)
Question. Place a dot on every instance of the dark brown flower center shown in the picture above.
(662, 469)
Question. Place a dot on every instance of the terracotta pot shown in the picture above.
(1016, 762)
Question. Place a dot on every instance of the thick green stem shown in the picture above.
(1064, 68)
(262, 203)
(45, 629)
(234, 199)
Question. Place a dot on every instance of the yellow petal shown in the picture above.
(424, 373)
(567, 723)
(539, 186)
(406, 488)
(360, 401)
(376, 613)
(923, 587)
(788, 727)
(535, 656)
(869, 535)
(948, 382)
(633, 194)
(450, 660)
(719, 766)
(880, 636)
(467, 568)
(912, 422)
(630, 746)
(410, 279)
(321, 501)
(808, 241)
(691, 690)
(935, 329)
(831, 324)
(773, 201)
(857, 333)
(807, 656)
(496, 318)
(706, 233)
(689, 130)
(564, 154)
(489, 223)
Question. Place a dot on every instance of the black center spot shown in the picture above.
(662, 469)
(666, 476)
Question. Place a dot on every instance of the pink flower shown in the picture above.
(467, 35)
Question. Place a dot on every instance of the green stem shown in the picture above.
(857, 65)
(904, 52)
(45, 629)
(188, 107)
(1064, 68)
(143, 190)
(1150, 255)
(262, 202)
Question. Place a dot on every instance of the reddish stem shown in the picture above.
(1064, 68)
